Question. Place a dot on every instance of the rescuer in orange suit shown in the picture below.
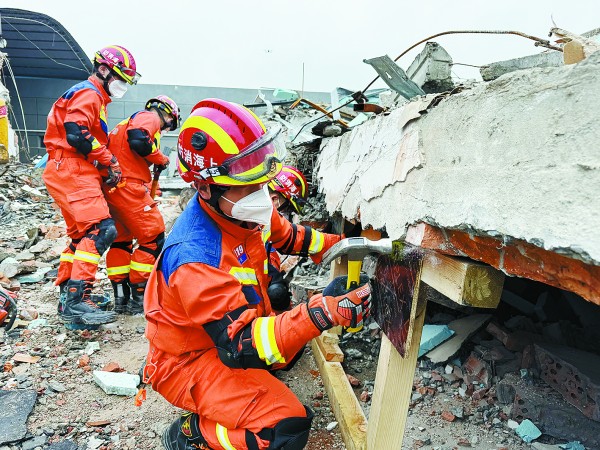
(78, 160)
(288, 192)
(213, 338)
(136, 143)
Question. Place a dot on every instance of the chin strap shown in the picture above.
(216, 192)
(106, 79)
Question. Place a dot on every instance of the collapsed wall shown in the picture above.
(514, 160)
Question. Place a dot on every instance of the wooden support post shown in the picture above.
(466, 282)
(393, 384)
(347, 410)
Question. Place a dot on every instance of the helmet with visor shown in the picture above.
(226, 144)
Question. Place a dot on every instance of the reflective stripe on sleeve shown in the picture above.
(264, 338)
(244, 275)
(67, 257)
(316, 242)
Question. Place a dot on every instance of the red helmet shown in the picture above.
(290, 183)
(226, 144)
(120, 61)
(167, 105)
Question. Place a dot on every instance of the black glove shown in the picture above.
(114, 173)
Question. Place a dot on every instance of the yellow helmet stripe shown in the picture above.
(221, 137)
(123, 52)
(262, 125)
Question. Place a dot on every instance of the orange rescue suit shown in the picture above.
(134, 210)
(213, 271)
(72, 179)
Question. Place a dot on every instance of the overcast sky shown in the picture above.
(251, 44)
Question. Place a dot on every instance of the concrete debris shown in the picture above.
(16, 407)
(463, 329)
(528, 431)
(547, 59)
(117, 383)
(432, 336)
(431, 69)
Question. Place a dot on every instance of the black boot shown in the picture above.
(184, 434)
(79, 307)
(136, 302)
(122, 295)
(102, 300)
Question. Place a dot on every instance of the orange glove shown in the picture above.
(348, 309)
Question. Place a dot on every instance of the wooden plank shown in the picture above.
(345, 406)
(328, 344)
(464, 281)
(393, 384)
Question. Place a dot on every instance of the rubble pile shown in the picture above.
(512, 375)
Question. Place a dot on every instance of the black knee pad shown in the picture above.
(107, 233)
(291, 433)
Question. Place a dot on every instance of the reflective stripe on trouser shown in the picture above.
(117, 262)
(236, 399)
(65, 266)
(85, 261)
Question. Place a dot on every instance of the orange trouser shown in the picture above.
(137, 217)
(75, 186)
(228, 401)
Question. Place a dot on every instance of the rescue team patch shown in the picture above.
(185, 426)
(240, 254)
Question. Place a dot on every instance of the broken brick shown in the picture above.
(83, 361)
(112, 367)
(365, 396)
(573, 373)
(462, 442)
(355, 382)
(447, 415)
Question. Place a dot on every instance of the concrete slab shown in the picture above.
(16, 407)
(463, 328)
(497, 158)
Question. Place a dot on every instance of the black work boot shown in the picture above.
(122, 294)
(136, 302)
(79, 307)
(102, 300)
(184, 434)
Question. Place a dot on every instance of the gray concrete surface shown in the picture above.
(517, 157)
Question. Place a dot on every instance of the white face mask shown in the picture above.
(117, 88)
(256, 207)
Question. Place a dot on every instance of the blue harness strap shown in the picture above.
(202, 240)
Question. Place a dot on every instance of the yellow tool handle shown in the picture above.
(354, 268)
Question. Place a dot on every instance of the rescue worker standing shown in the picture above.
(136, 143)
(76, 138)
(288, 192)
(213, 338)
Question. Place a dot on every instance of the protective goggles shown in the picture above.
(128, 74)
(254, 162)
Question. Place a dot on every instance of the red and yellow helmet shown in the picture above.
(167, 105)
(292, 185)
(120, 61)
(226, 144)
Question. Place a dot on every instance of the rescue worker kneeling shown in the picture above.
(213, 338)
(136, 143)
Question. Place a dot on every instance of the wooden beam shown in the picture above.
(328, 344)
(466, 282)
(394, 381)
(345, 406)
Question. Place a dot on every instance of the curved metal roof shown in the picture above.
(39, 46)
